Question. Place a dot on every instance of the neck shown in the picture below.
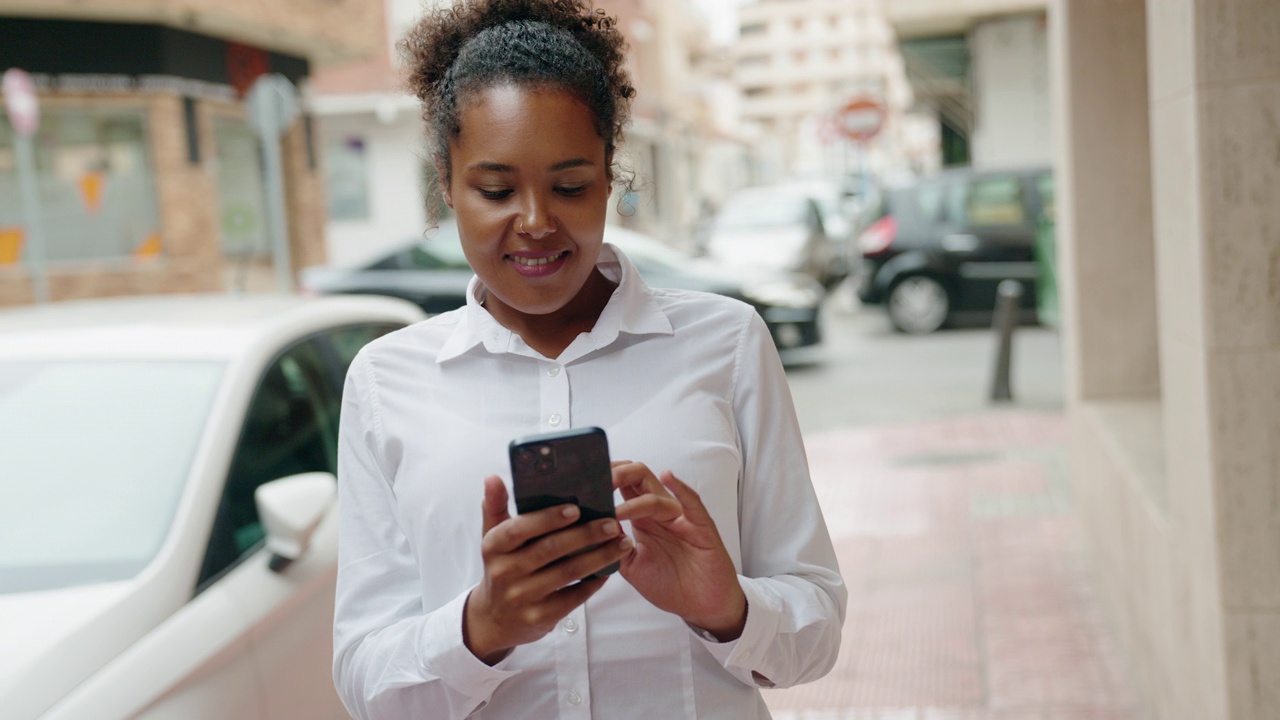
(551, 333)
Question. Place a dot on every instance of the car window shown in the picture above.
(290, 428)
(996, 201)
(94, 456)
(956, 201)
(928, 201)
(441, 249)
(347, 341)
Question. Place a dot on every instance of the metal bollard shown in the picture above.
(1008, 300)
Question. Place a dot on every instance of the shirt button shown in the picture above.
(571, 625)
(574, 698)
(554, 419)
(553, 371)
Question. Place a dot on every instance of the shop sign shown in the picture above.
(109, 84)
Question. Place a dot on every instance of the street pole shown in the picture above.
(23, 107)
(273, 106)
(34, 252)
(1008, 300)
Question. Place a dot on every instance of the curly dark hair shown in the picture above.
(477, 44)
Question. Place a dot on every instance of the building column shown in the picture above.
(1228, 53)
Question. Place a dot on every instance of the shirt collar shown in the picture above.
(631, 310)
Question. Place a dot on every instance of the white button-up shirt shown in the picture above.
(679, 380)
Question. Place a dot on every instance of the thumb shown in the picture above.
(495, 503)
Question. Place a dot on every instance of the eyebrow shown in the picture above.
(562, 165)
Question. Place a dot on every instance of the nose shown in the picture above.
(535, 220)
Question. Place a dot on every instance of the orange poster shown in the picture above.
(10, 244)
(91, 190)
(150, 247)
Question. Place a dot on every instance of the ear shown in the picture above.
(441, 175)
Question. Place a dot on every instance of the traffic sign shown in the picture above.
(20, 101)
(861, 119)
(272, 104)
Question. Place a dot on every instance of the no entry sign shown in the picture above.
(861, 119)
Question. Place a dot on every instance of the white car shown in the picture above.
(168, 535)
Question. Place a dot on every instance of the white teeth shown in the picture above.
(534, 262)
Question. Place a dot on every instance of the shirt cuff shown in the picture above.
(446, 656)
(745, 657)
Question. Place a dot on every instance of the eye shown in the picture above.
(571, 190)
(494, 194)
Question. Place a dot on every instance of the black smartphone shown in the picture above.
(565, 467)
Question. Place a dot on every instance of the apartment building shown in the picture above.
(148, 176)
(981, 68)
(797, 62)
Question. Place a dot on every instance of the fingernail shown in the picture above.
(610, 528)
(570, 511)
(627, 543)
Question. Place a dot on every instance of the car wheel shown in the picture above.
(918, 305)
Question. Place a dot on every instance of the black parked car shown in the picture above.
(939, 248)
(433, 274)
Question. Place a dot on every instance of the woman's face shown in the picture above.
(530, 188)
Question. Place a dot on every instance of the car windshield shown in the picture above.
(646, 254)
(93, 460)
(440, 250)
(754, 210)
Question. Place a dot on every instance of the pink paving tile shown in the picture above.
(969, 593)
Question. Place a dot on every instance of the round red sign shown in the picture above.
(861, 119)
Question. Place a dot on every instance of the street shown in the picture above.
(864, 373)
(970, 591)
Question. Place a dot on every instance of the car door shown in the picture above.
(293, 643)
(997, 240)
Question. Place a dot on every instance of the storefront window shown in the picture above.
(347, 179)
(95, 187)
(242, 207)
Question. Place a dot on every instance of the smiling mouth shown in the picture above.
(535, 262)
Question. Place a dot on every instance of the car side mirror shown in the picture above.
(291, 509)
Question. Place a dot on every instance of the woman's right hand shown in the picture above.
(530, 581)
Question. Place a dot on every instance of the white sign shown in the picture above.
(272, 104)
(20, 101)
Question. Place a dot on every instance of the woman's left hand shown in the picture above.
(679, 563)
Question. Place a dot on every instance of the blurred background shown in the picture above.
(1020, 258)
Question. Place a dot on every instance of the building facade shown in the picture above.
(1168, 159)
(798, 62)
(380, 177)
(981, 67)
(148, 175)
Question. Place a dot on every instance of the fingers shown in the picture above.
(635, 479)
(494, 504)
(514, 532)
(688, 498)
(662, 508)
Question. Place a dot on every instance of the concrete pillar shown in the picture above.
(1173, 341)
(1234, 108)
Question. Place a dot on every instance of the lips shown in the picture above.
(539, 265)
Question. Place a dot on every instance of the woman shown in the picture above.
(449, 605)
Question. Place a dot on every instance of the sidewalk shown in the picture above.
(969, 593)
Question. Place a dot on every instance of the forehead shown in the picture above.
(527, 121)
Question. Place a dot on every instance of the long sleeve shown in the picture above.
(795, 594)
(392, 658)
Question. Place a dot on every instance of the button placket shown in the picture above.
(555, 396)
